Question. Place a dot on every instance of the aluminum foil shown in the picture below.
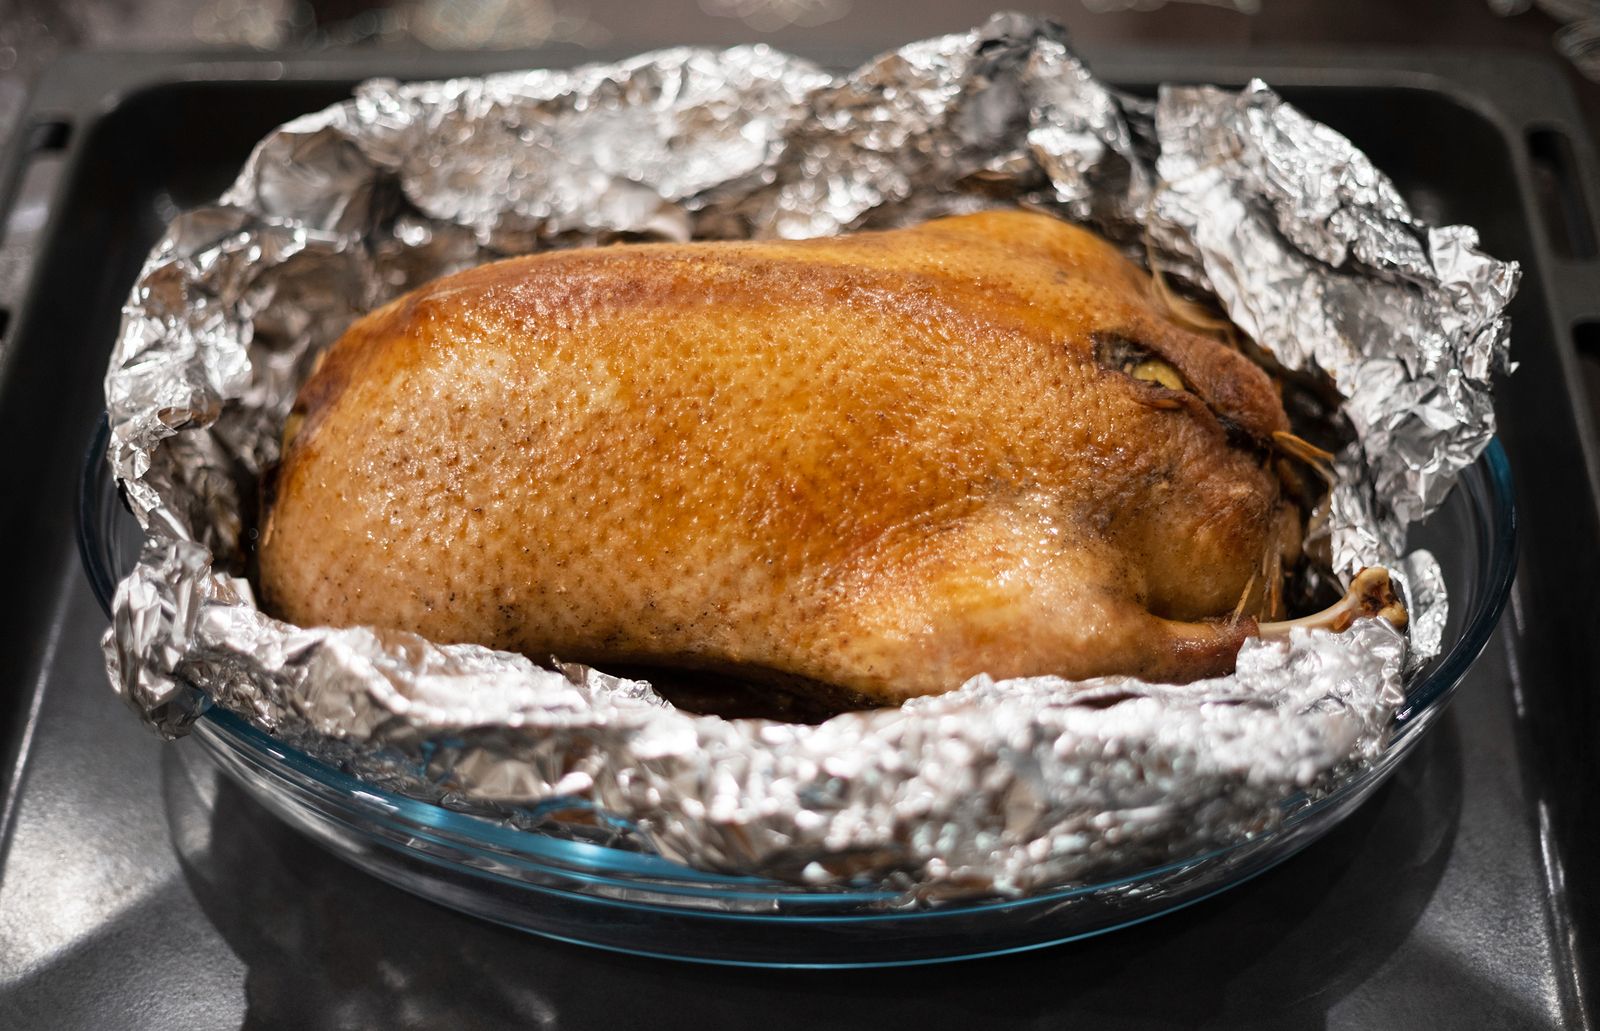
(1322, 264)
(996, 787)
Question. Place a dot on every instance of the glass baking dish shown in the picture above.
(644, 904)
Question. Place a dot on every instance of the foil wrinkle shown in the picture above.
(997, 787)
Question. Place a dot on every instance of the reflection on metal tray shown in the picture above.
(1458, 892)
(574, 890)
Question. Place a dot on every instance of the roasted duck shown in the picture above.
(862, 468)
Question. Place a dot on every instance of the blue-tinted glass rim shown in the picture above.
(587, 862)
(1497, 558)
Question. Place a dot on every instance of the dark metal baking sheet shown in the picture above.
(136, 890)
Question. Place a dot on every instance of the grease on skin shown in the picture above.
(882, 463)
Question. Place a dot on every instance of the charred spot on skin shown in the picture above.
(1117, 352)
(1241, 438)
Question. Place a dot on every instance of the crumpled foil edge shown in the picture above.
(996, 787)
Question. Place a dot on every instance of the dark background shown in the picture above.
(32, 32)
(139, 891)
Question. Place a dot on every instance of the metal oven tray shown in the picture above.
(139, 889)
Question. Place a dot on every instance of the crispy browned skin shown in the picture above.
(877, 464)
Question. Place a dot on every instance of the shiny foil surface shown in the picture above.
(997, 787)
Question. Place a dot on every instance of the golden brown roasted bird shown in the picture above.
(867, 467)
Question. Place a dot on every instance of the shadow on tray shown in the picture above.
(328, 946)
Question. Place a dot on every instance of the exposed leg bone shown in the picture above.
(1371, 594)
